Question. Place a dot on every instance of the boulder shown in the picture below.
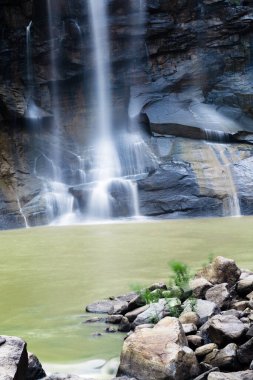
(13, 358)
(189, 317)
(221, 270)
(124, 325)
(199, 286)
(225, 359)
(222, 329)
(218, 294)
(35, 370)
(132, 315)
(189, 328)
(153, 314)
(160, 353)
(245, 286)
(206, 349)
(114, 306)
(245, 352)
(243, 375)
(194, 341)
(204, 309)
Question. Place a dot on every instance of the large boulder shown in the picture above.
(13, 358)
(221, 270)
(159, 353)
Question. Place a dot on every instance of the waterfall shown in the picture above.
(22, 213)
(232, 206)
(31, 111)
(109, 187)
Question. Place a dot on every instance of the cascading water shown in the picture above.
(107, 169)
(232, 208)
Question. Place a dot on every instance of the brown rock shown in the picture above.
(189, 317)
(224, 359)
(221, 270)
(206, 349)
(160, 353)
(199, 286)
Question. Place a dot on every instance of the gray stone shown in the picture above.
(204, 375)
(125, 325)
(245, 286)
(222, 329)
(218, 294)
(224, 359)
(114, 306)
(189, 328)
(35, 370)
(245, 352)
(13, 359)
(132, 315)
(153, 314)
(204, 309)
(243, 375)
(114, 319)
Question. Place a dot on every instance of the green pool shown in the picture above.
(48, 275)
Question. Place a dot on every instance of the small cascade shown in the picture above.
(233, 205)
(217, 136)
(22, 213)
(59, 202)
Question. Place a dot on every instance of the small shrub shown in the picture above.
(181, 274)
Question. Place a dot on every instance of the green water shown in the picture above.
(48, 275)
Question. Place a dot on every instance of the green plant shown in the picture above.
(154, 319)
(147, 296)
(181, 274)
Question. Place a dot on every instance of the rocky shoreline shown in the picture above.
(198, 329)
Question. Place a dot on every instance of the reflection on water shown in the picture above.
(48, 275)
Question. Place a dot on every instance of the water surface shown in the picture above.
(48, 275)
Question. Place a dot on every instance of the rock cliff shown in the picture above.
(185, 79)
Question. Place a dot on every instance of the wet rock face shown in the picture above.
(194, 58)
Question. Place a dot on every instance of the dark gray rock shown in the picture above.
(245, 352)
(224, 359)
(222, 329)
(125, 325)
(245, 286)
(35, 370)
(114, 306)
